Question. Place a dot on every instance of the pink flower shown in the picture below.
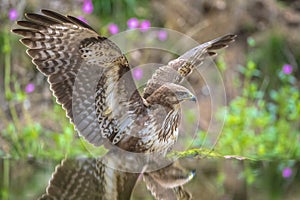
(287, 172)
(81, 18)
(29, 88)
(162, 35)
(113, 29)
(13, 14)
(145, 25)
(137, 73)
(87, 6)
(287, 69)
(133, 23)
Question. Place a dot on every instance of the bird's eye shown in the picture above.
(179, 93)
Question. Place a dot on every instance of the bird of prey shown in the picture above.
(90, 77)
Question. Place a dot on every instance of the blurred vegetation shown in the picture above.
(261, 120)
(260, 127)
(121, 10)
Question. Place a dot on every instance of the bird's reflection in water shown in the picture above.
(167, 183)
(91, 178)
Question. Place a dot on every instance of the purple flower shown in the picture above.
(13, 14)
(137, 73)
(145, 25)
(287, 172)
(87, 6)
(133, 23)
(81, 18)
(287, 69)
(162, 35)
(29, 88)
(113, 28)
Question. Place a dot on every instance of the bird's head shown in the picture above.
(170, 95)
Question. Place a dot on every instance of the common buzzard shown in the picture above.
(90, 77)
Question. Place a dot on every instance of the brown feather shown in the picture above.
(30, 24)
(41, 19)
(56, 16)
(178, 69)
(80, 23)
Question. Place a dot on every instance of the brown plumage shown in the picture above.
(89, 76)
(167, 183)
(90, 178)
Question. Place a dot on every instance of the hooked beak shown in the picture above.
(189, 97)
(193, 98)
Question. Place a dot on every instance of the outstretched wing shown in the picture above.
(181, 67)
(88, 74)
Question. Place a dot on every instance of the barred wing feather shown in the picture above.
(84, 71)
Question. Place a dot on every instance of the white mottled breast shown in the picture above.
(165, 145)
(164, 134)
